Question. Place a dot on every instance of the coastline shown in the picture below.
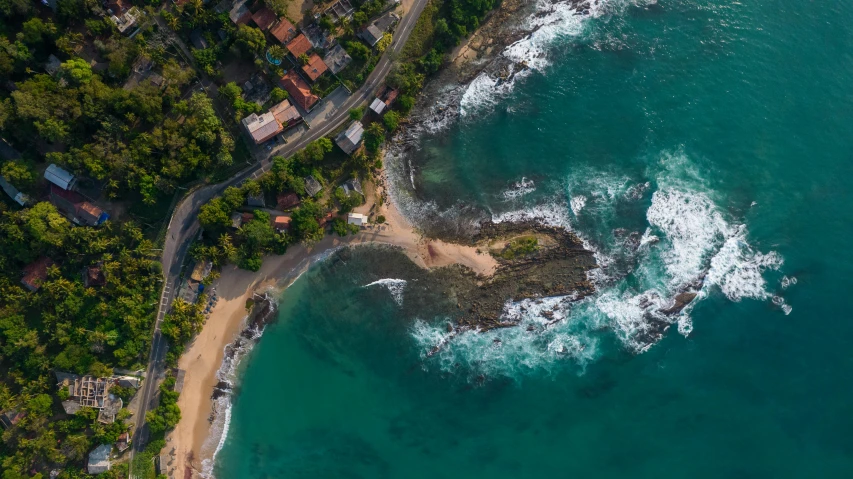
(188, 445)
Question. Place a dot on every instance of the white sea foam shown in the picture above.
(549, 214)
(394, 286)
(689, 245)
(577, 203)
(518, 189)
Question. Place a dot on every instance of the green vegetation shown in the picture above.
(167, 414)
(234, 95)
(251, 39)
(517, 247)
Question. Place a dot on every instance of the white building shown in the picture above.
(59, 177)
(357, 219)
(99, 459)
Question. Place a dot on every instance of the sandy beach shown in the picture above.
(203, 356)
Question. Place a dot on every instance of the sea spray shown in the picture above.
(394, 286)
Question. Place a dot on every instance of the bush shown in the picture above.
(278, 95)
(391, 120)
(380, 219)
(339, 226)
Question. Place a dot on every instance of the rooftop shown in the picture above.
(263, 18)
(315, 67)
(99, 459)
(350, 138)
(35, 273)
(59, 177)
(312, 186)
(287, 200)
(299, 46)
(337, 59)
(262, 127)
(285, 112)
(283, 30)
(299, 90)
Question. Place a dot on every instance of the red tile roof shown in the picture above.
(299, 46)
(283, 30)
(315, 67)
(35, 273)
(263, 18)
(299, 91)
(281, 222)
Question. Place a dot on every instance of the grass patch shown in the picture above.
(420, 41)
(517, 247)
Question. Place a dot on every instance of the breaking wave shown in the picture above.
(683, 243)
(394, 286)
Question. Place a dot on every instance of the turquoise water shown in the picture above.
(681, 140)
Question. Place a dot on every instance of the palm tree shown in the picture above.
(276, 52)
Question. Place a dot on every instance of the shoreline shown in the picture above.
(187, 445)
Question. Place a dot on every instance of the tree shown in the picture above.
(34, 31)
(326, 23)
(215, 214)
(77, 70)
(357, 50)
(18, 173)
(251, 39)
(304, 222)
(356, 113)
(278, 95)
(359, 18)
(406, 103)
(303, 59)
(276, 52)
(374, 135)
(384, 43)
(391, 120)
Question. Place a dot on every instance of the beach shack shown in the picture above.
(357, 219)
(349, 139)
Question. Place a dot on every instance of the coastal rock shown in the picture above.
(681, 302)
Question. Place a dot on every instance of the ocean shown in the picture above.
(688, 143)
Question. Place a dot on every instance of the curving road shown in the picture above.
(184, 226)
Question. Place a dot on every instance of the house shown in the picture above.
(35, 273)
(374, 32)
(299, 91)
(383, 100)
(357, 219)
(263, 18)
(256, 200)
(349, 139)
(246, 217)
(352, 185)
(60, 177)
(13, 192)
(317, 37)
(371, 35)
(198, 40)
(123, 21)
(285, 201)
(340, 9)
(236, 220)
(157, 80)
(298, 46)
(286, 114)
(201, 270)
(112, 405)
(11, 417)
(94, 276)
(239, 13)
(77, 208)
(281, 224)
(90, 215)
(337, 59)
(283, 31)
(315, 67)
(86, 391)
(99, 459)
(53, 64)
(123, 442)
(312, 186)
(262, 127)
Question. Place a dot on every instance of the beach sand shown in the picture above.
(203, 357)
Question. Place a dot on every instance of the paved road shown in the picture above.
(184, 226)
